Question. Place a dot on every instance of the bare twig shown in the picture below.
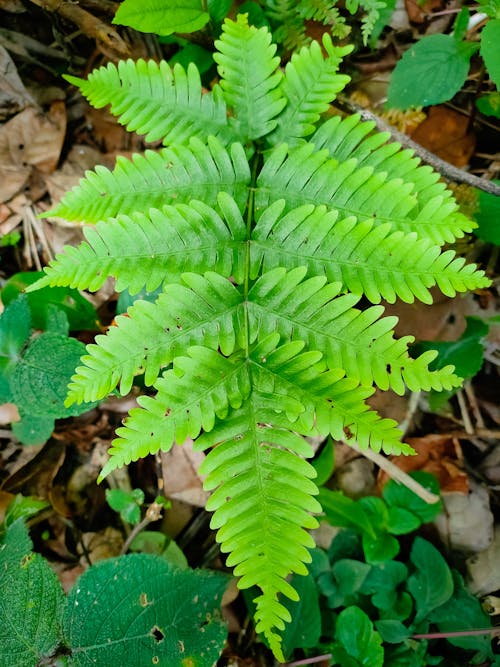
(469, 428)
(309, 661)
(153, 513)
(397, 474)
(105, 35)
(471, 397)
(446, 169)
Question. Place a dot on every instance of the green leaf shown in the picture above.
(162, 17)
(127, 503)
(490, 49)
(431, 584)
(305, 628)
(193, 53)
(324, 463)
(218, 9)
(399, 496)
(356, 638)
(15, 329)
(81, 313)
(430, 72)
(41, 377)
(393, 632)
(382, 583)
(466, 353)
(400, 521)
(31, 600)
(489, 105)
(139, 610)
(463, 611)
(33, 430)
(381, 548)
(344, 512)
(461, 24)
(22, 507)
(488, 215)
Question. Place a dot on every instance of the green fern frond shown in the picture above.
(176, 174)
(435, 207)
(203, 310)
(179, 410)
(246, 62)
(144, 251)
(311, 83)
(323, 11)
(366, 259)
(354, 189)
(290, 27)
(157, 101)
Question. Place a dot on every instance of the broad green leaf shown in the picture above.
(81, 313)
(489, 105)
(304, 630)
(356, 638)
(31, 600)
(490, 49)
(127, 503)
(154, 542)
(162, 17)
(392, 632)
(193, 53)
(463, 611)
(461, 24)
(324, 463)
(218, 9)
(33, 430)
(23, 507)
(381, 548)
(400, 521)
(488, 215)
(430, 72)
(466, 353)
(343, 512)
(350, 576)
(40, 379)
(139, 610)
(382, 583)
(431, 584)
(15, 328)
(399, 496)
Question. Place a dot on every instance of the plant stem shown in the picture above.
(153, 513)
(446, 169)
(461, 633)
(396, 473)
(309, 661)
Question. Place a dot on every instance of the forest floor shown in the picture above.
(49, 136)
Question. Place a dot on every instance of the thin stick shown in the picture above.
(153, 513)
(462, 633)
(471, 396)
(397, 474)
(446, 169)
(469, 428)
(309, 661)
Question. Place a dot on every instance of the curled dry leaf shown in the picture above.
(440, 455)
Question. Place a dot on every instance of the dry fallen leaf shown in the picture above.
(180, 474)
(446, 134)
(440, 455)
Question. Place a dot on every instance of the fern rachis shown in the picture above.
(263, 251)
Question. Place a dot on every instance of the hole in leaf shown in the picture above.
(157, 634)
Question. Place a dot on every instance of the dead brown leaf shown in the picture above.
(446, 134)
(440, 455)
(180, 474)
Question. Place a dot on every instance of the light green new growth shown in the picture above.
(265, 227)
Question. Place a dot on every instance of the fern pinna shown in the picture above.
(263, 242)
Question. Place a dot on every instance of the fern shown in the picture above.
(264, 245)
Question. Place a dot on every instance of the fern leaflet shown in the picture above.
(161, 103)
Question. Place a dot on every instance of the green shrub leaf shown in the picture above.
(398, 496)
(160, 17)
(490, 49)
(41, 377)
(432, 584)
(139, 610)
(305, 628)
(488, 215)
(15, 328)
(31, 600)
(430, 72)
(357, 639)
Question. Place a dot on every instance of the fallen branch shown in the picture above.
(446, 169)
